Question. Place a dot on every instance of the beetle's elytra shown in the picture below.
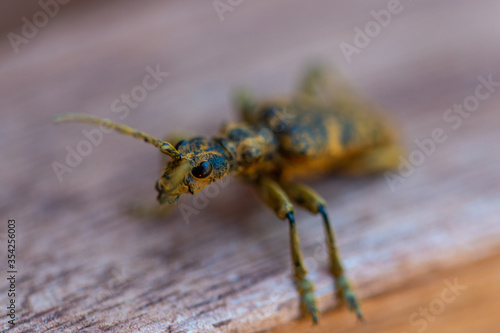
(323, 128)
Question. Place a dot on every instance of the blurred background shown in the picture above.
(171, 66)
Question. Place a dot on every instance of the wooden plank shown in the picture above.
(425, 304)
(84, 264)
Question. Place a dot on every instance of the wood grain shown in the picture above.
(425, 304)
(87, 265)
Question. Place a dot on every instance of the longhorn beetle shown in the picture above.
(325, 127)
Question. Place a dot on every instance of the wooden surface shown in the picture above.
(418, 305)
(84, 264)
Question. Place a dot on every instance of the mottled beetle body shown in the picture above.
(314, 139)
(324, 128)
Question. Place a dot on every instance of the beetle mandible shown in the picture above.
(325, 127)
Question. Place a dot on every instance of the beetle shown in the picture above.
(325, 127)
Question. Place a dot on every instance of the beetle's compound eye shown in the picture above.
(202, 170)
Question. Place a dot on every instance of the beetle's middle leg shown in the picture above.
(272, 194)
(309, 199)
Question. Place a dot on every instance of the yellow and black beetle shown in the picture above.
(324, 128)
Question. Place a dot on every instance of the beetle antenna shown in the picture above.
(165, 147)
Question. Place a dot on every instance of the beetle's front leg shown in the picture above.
(309, 199)
(272, 194)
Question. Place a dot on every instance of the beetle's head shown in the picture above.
(201, 162)
(195, 163)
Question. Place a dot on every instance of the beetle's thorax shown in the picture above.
(253, 150)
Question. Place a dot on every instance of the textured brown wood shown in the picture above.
(473, 309)
(84, 264)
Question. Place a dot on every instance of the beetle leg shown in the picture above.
(245, 104)
(328, 86)
(313, 80)
(323, 84)
(272, 194)
(309, 199)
